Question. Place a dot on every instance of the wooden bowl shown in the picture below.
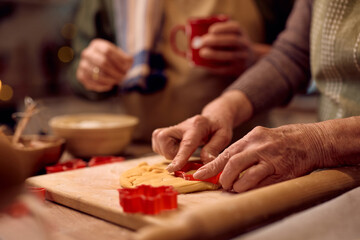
(38, 151)
(91, 134)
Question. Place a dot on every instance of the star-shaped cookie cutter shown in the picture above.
(147, 199)
(195, 166)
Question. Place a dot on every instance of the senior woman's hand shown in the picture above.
(213, 129)
(266, 156)
(180, 141)
(228, 43)
(102, 65)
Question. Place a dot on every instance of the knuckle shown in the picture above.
(95, 41)
(156, 133)
(259, 130)
(198, 120)
(161, 135)
(170, 144)
(224, 156)
(187, 143)
(84, 53)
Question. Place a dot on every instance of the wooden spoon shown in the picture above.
(30, 109)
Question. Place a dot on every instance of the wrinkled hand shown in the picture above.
(102, 66)
(266, 156)
(179, 142)
(213, 129)
(227, 43)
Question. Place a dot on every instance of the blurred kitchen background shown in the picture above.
(35, 54)
(34, 51)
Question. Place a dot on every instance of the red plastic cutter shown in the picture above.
(147, 199)
(69, 165)
(19, 209)
(194, 166)
(99, 160)
(38, 192)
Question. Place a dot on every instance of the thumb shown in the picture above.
(217, 143)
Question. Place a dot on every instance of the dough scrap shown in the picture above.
(156, 175)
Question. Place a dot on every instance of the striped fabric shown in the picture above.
(138, 26)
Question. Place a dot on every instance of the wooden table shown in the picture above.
(65, 223)
(53, 221)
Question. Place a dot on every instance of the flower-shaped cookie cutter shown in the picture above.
(147, 199)
(195, 166)
(100, 160)
(69, 165)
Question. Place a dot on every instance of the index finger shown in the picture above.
(187, 147)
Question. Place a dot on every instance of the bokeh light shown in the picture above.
(68, 31)
(6, 92)
(66, 54)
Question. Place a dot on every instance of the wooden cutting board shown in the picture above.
(94, 191)
(202, 215)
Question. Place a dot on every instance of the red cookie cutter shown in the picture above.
(147, 199)
(69, 165)
(195, 166)
(99, 160)
(19, 209)
(38, 192)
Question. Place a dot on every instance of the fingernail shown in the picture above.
(210, 156)
(199, 173)
(170, 167)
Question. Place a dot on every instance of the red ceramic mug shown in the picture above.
(194, 29)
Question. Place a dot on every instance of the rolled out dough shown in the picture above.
(156, 175)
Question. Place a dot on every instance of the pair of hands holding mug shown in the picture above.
(104, 65)
(227, 42)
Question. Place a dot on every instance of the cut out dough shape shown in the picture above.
(156, 175)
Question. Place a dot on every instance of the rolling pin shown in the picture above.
(236, 215)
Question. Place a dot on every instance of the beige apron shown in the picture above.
(335, 57)
(188, 89)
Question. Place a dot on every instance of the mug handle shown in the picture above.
(173, 40)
